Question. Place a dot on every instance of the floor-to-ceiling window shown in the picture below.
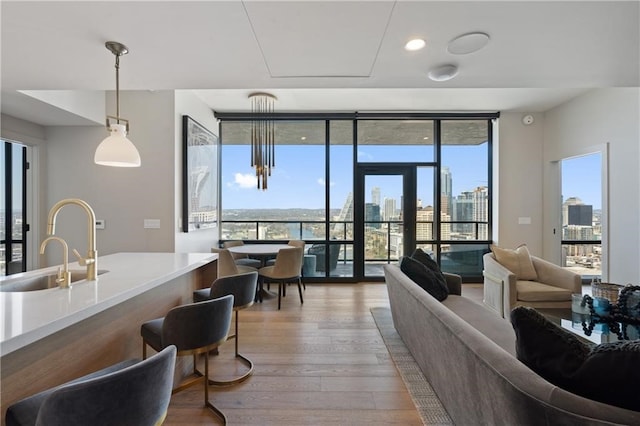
(327, 165)
(13, 223)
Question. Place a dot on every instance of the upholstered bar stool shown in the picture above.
(130, 393)
(243, 289)
(194, 329)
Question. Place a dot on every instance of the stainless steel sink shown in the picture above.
(41, 282)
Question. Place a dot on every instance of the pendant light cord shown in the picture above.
(118, 88)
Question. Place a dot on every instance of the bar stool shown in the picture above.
(194, 329)
(243, 289)
(132, 392)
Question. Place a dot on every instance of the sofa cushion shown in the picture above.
(533, 291)
(424, 277)
(424, 258)
(607, 372)
(517, 261)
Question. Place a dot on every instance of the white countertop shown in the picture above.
(29, 316)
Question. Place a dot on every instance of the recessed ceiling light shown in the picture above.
(304, 138)
(468, 43)
(443, 72)
(415, 44)
(425, 138)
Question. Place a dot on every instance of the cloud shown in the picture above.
(321, 182)
(244, 180)
(363, 155)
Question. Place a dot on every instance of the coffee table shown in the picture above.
(572, 322)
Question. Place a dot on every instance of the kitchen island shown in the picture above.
(50, 336)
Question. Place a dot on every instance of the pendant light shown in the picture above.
(116, 150)
(263, 139)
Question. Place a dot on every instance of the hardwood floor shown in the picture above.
(320, 363)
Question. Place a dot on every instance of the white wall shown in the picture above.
(186, 103)
(604, 117)
(123, 197)
(517, 177)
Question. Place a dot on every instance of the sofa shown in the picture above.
(551, 288)
(467, 353)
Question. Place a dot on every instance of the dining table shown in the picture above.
(262, 251)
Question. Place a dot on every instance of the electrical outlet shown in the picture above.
(152, 224)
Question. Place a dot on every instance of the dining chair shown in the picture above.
(294, 243)
(194, 328)
(242, 259)
(228, 266)
(243, 289)
(129, 393)
(287, 268)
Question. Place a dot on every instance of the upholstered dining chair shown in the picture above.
(242, 259)
(243, 289)
(293, 243)
(194, 328)
(227, 264)
(130, 393)
(287, 268)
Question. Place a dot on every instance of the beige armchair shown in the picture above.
(551, 288)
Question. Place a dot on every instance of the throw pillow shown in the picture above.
(605, 373)
(423, 276)
(517, 261)
(424, 258)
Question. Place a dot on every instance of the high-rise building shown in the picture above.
(372, 214)
(481, 210)
(571, 201)
(463, 212)
(390, 209)
(425, 225)
(446, 191)
(375, 195)
(580, 214)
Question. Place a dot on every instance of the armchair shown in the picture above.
(551, 288)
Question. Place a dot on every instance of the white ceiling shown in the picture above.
(322, 55)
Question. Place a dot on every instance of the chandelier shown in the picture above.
(263, 130)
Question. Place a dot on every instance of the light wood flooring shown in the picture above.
(320, 363)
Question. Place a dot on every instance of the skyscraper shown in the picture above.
(580, 214)
(446, 191)
(375, 195)
(481, 210)
(390, 209)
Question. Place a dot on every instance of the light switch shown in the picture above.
(100, 223)
(152, 224)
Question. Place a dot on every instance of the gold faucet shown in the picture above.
(91, 261)
(64, 276)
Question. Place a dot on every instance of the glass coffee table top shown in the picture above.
(573, 322)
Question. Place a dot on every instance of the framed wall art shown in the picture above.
(200, 186)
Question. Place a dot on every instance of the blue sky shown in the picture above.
(582, 178)
(298, 179)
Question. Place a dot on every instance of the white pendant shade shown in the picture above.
(116, 150)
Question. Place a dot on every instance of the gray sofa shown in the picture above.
(467, 352)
